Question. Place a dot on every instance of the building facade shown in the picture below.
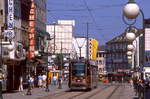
(23, 24)
(62, 36)
(116, 54)
(101, 60)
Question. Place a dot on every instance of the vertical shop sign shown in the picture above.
(10, 23)
(10, 20)
(31, 34)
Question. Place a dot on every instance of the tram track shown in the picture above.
(77, 95)
(106, 93)
(111, 94)
(89, 94)
(99, 91)
(54, 95)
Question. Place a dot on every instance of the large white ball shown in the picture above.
(130, 36)
(129, 57)
(130, 47)
(129, 53)
(131, 10)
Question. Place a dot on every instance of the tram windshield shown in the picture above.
(78, 69)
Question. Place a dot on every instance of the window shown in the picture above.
(78, 69)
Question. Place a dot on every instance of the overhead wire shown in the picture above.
(103, 37)
(90, 13)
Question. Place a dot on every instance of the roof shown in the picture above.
(122, 37)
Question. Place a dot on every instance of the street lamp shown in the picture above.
(130, 47)
(129, 53)
(130, 36)
(131, 11)
(129, 57)
(130, 33)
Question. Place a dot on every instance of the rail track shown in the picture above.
(105, 92)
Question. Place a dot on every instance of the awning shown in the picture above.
(41, 61)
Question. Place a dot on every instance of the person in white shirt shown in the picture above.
(44, 80)
(40, 80)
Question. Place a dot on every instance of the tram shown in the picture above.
(83, 74)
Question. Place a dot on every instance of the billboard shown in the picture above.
(147, 39)
(147, 58)
(147, 47)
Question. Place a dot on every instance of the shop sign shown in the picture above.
(10, 20)
(9, 33)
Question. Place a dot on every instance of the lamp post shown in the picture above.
(131, 11)
(47, 83)
(61, 65)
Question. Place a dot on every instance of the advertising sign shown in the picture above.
(9, 33)
(147, 47)
(147, 58)
(10, 20)
(147, 39)
(10, 17)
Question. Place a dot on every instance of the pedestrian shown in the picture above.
(54, 80)
(49, 80)
(40, 81)
(21, 83)
(44, 80)
(131, 83)
(35, 81)
(60, 81)
(32, 81)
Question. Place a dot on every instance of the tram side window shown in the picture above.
(78, 69)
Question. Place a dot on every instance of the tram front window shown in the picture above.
(78, 69)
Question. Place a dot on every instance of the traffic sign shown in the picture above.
(9, 33)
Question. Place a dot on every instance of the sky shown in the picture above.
(104, 16)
